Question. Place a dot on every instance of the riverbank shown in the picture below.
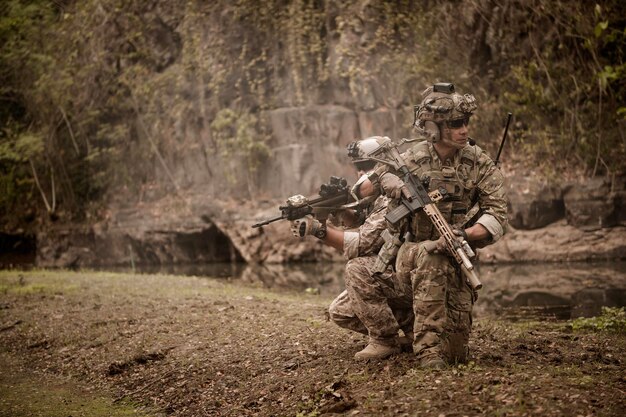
(188, 346)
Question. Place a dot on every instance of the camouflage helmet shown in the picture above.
(442, 103)
(360, 150)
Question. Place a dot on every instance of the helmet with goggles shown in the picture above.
(359, 151)
(442, 104)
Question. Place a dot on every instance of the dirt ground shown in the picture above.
(189, 346)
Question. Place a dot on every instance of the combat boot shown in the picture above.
(433, 362)
(406, 342)
(376, 351)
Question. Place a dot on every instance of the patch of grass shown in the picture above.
(369, 401)
(569, 371)
(586, 381)
(314, 323)
(307, 414)
(612, 319)
(23, 394)
(468, 367)
(358, 377)
(18, 288)
(571, 375)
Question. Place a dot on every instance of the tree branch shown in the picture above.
(43, 195)
(69, 128)
(154, 147)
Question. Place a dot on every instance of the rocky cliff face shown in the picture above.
(309, 143)
(199, 229)
(185, 122)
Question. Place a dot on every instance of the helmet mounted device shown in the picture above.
(441, 103)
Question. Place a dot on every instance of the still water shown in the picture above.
(516, 291)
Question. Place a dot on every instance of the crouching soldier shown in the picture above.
(442, 298)
(377, 305)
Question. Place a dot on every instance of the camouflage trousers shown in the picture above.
(442, 303)
(375, 305)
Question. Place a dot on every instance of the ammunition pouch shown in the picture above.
(405, 263)
(388, 252)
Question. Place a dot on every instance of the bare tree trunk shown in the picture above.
(598, 158)
(54, 193)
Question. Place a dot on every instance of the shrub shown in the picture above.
(612, 319)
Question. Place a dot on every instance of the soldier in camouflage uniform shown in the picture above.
(442, 300)
(378, 306)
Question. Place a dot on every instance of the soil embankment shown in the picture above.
(192, 347)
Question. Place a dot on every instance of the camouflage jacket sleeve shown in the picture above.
(491, 197)
(367, 240)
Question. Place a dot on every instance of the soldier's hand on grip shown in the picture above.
(460, 233)
(464, 241)
(307, 225)
(435, 246)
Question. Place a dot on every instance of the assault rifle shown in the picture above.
(333, 196)
(416, 198)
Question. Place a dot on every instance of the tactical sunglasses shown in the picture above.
(364, 166)
(458, 123)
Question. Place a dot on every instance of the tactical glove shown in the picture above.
(307, 225)
(436, 246)
(460, 233)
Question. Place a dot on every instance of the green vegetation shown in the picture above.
(237, 138)
(24, 289)
(62, 104)
(97, 97)
(24, 394)
(612, 319)
(571, 93)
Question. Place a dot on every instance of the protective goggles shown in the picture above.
(458, 123)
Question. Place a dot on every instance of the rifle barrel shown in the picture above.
(265, 222)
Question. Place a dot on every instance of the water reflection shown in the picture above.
(517, 291)
(319, 278)
(561, 291)
(316, 277)
(214, 270)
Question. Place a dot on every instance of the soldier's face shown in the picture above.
(456, 137)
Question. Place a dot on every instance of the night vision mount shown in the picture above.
(447, 88)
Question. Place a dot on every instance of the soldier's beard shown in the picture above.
(447, 140)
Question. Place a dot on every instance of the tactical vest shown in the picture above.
(458, 178)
